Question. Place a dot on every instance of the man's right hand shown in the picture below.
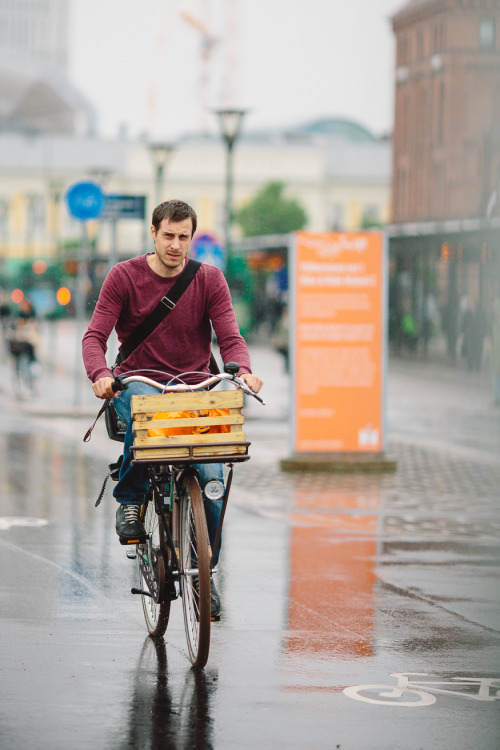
(102, 388)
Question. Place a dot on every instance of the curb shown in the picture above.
(339, 463)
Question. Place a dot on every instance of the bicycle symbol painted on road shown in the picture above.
(413, 693)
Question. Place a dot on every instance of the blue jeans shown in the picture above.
(133, 482)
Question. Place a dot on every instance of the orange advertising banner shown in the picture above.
(338, 342)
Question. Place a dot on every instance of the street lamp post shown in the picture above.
(230, 124)
(55, 194)
(160, 153)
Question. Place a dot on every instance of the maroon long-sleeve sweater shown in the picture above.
(182, 341)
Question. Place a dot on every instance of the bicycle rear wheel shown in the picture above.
(156, 607)
(195, 570)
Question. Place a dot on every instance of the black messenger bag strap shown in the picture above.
(164, 306)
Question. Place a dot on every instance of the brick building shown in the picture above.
(445, 236)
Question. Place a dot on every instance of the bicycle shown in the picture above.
(413, 693)
(176, 559)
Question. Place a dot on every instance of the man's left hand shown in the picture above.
(253, 381)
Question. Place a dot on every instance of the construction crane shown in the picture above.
(208, 42)
(158, 59)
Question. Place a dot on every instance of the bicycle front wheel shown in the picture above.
(194, 550)
(152, 573)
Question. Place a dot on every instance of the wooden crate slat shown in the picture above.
(157, 424)
(224, 437)
(186, 401)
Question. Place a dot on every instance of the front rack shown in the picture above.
(164, 454)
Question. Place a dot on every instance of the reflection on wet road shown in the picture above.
(166, 711)
(330, 584)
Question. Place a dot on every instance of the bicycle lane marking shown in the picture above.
(392, 694)
(7, 522)
(421, 691)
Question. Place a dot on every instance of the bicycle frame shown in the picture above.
(163, 474)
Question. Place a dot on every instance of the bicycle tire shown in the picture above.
(156, 614)
(194, 552)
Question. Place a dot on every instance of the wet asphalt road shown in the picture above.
(328, 582)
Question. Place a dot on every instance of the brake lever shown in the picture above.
(244, 387)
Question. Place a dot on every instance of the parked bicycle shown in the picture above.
(176, 559)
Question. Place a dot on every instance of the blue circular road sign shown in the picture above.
(207, 249)
(85, 200)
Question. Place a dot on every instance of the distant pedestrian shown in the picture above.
(473, 332)
(409, 329)
(23, 338)
(279, 341)
(5, 311)
(26, 333)
(495, 350)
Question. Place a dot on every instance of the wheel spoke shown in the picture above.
(156, 615)
(195, 589)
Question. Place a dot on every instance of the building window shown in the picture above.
(335, 217)
(487, 33)
(402, 51)
(401, 195)
(4, 219)
(440, 115)
(420, 44)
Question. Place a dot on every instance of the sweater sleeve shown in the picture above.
(229, 339)
(107, 311)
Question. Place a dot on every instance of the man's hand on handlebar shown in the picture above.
(103, 388)
(253, 382)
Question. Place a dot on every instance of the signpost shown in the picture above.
(85, 201)
(118, 207)
(124, 207)
(338, 335)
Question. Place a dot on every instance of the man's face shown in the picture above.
(172, 242)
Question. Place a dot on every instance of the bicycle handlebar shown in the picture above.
(120, 383)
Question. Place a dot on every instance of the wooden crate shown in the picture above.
(169, 448)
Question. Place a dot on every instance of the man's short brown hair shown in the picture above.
(174, 211)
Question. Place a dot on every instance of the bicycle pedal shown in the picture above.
(127, 542)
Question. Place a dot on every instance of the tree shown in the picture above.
(269, 212)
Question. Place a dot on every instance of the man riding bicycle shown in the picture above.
(180, 343)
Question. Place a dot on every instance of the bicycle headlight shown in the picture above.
(214, 489)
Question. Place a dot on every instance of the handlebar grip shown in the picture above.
(118, 385)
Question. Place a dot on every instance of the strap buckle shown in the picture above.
(167, 302)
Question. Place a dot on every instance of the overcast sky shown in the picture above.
(287, 61)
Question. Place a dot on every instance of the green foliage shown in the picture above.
(271, 213)
(368, 222)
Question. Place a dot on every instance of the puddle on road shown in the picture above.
(43, 477)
